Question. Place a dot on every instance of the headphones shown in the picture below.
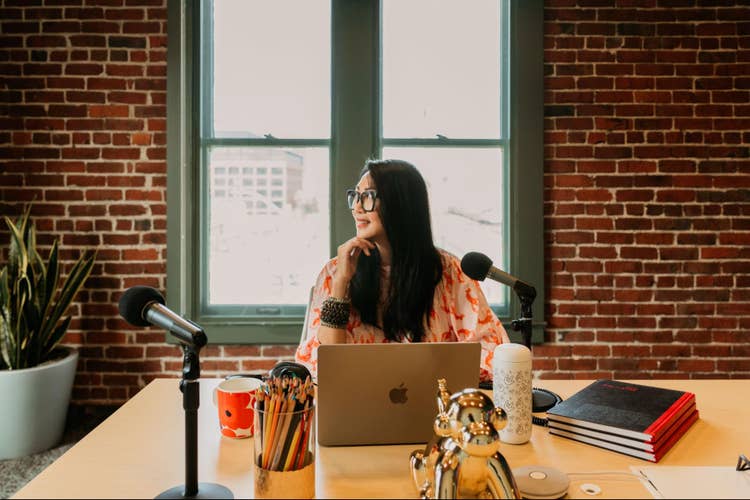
(289, 369)
(282, 369)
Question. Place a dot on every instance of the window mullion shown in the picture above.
(443, 142)
(355, 83)
(262, 142)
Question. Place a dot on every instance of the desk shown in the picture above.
(138, 452)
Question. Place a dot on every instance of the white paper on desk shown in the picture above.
(695, 482)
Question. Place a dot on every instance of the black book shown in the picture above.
(634, 411)
(632, 447)
(615, 438)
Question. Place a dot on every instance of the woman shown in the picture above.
(389, 283)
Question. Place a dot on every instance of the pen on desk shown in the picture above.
(645, 477)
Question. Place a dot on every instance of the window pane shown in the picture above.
(266, 246)
(466, 201)
(441, 68)
(272, 71)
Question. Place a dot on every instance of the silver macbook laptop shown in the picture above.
(385, 393)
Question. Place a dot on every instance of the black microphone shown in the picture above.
(478, 266)
(144, 306)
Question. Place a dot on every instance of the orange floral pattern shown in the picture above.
(460, 314)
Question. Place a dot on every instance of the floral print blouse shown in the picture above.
(460, 313)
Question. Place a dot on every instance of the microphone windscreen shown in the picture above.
(476, 265)
(134, 301)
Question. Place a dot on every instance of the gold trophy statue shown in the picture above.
(463, 460)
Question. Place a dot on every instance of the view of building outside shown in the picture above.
(269, 224)
(270, 207)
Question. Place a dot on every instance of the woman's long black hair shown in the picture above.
(416, 266)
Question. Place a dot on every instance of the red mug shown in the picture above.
(235, 399)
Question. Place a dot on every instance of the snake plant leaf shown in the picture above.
(49, 284)
(30, 303)
(6, 339)
(80, 272)
(20, 325)
(18, 257)
(57, 335)
(6, 343)
(4, 293)
(33, 318)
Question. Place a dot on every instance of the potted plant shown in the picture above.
(36, 373)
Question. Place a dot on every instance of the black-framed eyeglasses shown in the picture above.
(366, 199)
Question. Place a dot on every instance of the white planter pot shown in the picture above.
(34, 404)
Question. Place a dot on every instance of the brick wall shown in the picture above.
(83, 134)
(647, 190)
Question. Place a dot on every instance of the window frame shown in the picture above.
(355, 22)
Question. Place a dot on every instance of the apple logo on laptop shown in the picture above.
(398, 394)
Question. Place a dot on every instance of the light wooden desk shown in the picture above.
(139, 451)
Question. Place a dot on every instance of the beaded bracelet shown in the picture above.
(335, 312)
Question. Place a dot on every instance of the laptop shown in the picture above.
(386, 393)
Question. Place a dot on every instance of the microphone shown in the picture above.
(478, 266)
(144, 306)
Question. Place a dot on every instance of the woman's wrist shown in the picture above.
(340, 288)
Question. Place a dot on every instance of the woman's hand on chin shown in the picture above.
(347, 257)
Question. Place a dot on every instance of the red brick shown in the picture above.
(111, 111)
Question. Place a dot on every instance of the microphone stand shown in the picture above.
(190, 388)
(541, 399)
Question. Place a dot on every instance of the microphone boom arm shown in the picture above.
(526, 295)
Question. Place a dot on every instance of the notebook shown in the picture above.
(386, 393)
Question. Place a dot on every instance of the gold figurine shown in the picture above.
(462, 460)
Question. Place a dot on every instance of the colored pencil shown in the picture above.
(284, 423)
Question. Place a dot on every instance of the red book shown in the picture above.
(653, 456)
(639, 412)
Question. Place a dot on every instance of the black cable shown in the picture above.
(541, 421)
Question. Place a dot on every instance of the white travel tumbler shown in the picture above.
(511, 373)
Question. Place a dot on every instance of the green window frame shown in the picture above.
(355, 86)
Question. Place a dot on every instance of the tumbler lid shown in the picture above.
(512, 353)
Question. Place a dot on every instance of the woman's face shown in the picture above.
(369, 225)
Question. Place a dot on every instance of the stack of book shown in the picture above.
(637, 420)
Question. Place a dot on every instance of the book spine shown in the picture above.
(657, 428)
(600, 427)
(604, 436)
(625, 450)
(674, 425)
(676, 435)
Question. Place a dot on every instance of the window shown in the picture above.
(273, 107)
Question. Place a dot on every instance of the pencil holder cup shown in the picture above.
(284, 453)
